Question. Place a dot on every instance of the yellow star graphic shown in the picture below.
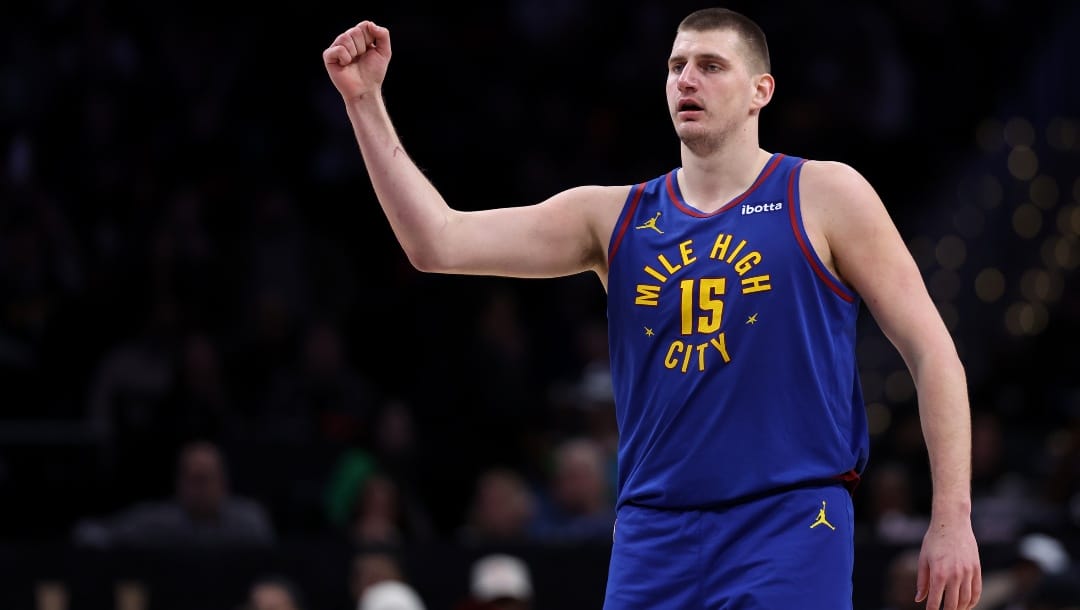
(649, 332)
(752, 319)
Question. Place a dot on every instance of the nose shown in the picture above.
(687, 80)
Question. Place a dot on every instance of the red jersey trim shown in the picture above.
(625, 224)
(819, 270)
(850, 480)
(685, 207)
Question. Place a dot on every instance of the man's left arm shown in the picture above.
(856, 238)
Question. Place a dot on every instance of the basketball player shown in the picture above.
(734, 283)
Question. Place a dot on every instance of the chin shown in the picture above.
(691, 132)
(699, 141)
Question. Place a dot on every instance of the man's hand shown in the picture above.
(357, 60)
(950, 576)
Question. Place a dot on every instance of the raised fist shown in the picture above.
(357, 59)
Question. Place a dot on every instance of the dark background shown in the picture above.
(180, 180)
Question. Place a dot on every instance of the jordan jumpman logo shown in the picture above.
(821, 520)
(651, 224)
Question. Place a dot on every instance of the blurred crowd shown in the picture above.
(208, 336)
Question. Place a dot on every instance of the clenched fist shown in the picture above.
(357, 60)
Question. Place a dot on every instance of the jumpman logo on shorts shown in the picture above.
(651, 224)
(821, 520)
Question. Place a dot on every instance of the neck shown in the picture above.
(709, 179)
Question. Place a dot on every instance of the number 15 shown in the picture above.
(709, 301)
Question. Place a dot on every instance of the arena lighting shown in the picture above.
(1044, 192)
(1026, 319)
(1016, 199)
(951, 251)
(1018, 131)
(1023, 163)
(1066, 252)
(1027, 221)
(1068, 220)
(1063, 134)
(1042, 285)
(990, 284)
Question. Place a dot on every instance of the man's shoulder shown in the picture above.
(243, 504)
(238, 509)
(152, 511)
(836, 170)
(823, 177)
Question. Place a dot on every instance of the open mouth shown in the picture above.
(690, 106)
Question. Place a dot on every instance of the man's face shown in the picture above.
(710, 86)
(269, 596)
(202, 485)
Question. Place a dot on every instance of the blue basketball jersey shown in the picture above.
(732, 348)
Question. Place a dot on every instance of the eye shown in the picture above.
(677, 68)
(713, 68)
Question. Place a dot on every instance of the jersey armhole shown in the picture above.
(803, 239)
(623, 223)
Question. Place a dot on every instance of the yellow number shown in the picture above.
(709, 300)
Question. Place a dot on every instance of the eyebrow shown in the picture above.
(699, 57)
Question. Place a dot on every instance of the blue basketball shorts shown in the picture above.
(793, 549)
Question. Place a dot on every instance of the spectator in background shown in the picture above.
(1057, 592)
(272, 265)
(1061, 486)
(501, 511)
(370, 567)
(127, 409)
(182, 255)
(203, 514)
(275, 593)
(900, 581)
(1003, 503)
(1040, 559)
(41, 273)
(393, 453)
(396, 444)
(200, 403)
(893, 516)
(383, 515)
(323, 398)
(498, 581)
(399, 450)
(578, 505)
(391, 595)
(596, 395)
(502, 354)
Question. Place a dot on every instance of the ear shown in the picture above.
(763, 90)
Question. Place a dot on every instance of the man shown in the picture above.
(204, 513)
(369, 567)
(274, 592)
(733, 284)
(501, 582)
(390, 595)
(578, 505)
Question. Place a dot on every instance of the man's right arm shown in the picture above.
(563, 235)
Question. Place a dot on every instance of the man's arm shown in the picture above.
(857, 239)
(563, 235)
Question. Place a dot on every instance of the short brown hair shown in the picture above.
(753, 37)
